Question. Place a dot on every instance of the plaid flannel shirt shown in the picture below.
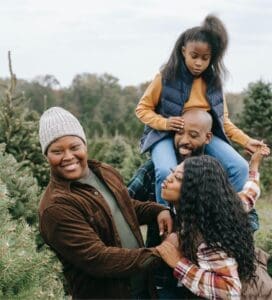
(215, 276)
(142, 184)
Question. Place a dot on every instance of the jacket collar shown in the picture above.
(185, 74)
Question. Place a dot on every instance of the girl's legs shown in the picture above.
(234, 164)
(164, 157)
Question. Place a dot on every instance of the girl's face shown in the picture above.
(171, 186)
(197, 56)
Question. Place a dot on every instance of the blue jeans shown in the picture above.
(168, 293)
(234, 164)
(176, 293)
(164, 158)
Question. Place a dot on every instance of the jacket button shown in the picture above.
(96, 193)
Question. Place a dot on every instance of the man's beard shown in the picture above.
(195, 152)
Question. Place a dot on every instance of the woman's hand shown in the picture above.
(169, 253)
(165, 222)
(173, 239)
(175, 123)
(253, 145)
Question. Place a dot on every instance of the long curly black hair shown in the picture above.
(212, 32)
(211, 209)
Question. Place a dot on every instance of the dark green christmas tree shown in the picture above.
(19, 129)
(22, 187)
(256, 120)
(24, 272)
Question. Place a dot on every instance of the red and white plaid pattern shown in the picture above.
(215, 277)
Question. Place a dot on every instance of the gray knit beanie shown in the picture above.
(57, 122)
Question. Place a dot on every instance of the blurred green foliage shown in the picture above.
(256, 120)
(25, 273)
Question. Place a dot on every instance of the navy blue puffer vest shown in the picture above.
(174, 95)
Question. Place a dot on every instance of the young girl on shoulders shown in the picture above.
(192, 78)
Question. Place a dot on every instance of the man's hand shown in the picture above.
(253, 145)
(173, 239)
(165, 222)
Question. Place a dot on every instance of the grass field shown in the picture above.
(263, 236)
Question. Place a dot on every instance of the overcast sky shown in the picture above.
(127, 38)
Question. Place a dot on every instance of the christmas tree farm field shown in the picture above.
(263, 236)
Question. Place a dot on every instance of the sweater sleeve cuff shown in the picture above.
(254, 176)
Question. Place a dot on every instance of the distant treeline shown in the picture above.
(103, 106)
(99, 101)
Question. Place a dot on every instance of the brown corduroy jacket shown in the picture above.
(76, 222)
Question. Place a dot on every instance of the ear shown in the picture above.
(209, 136)
(183, 51)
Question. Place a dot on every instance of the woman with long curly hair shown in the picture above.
(214, 239)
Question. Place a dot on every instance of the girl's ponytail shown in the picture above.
(218, 33)
(214, 33)
(218, 39)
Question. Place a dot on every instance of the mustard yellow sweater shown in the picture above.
(145, 109)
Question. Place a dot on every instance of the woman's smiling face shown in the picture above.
(171, 186)
(67, 157)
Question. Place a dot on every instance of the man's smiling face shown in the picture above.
(195, 134)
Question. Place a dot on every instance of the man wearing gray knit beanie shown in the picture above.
(88, 219)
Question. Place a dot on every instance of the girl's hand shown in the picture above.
(174, 123)
(253, 145)
(169, 253)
